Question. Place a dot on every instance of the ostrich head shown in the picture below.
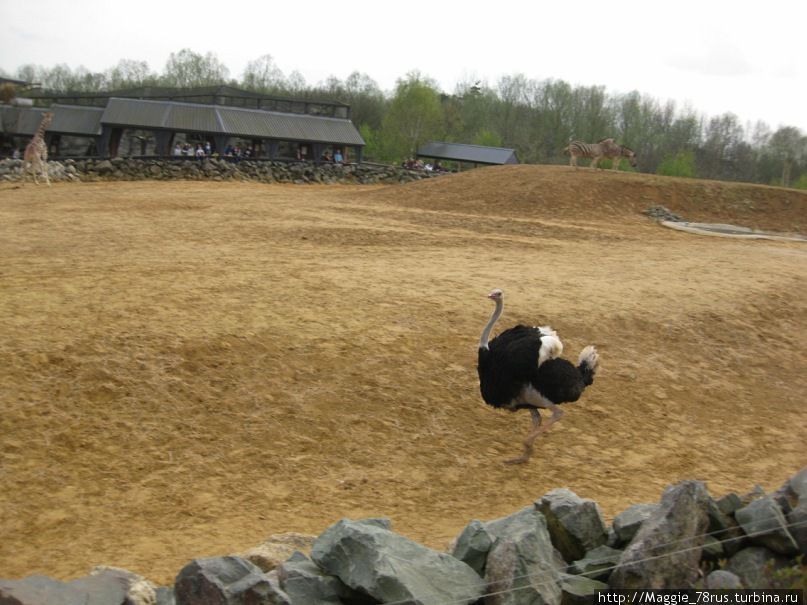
(496, 294)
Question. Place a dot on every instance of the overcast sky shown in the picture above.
(714, 56)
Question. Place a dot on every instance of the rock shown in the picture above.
(662, 213)
(575, 524)
(579, 590)
(521, 566)
(472, 546)
(369, 557)
(764, 524)
(792, 491)
(277, 548)
(754, 494)
(628, 522)
(729, 503)
(797, 518)
(598, 563)
(306, 584)
(722, 579)
(139, 591)
(798, 484)
(724, 530)
(750, 566)
(104, 167)
(165, 596)
(713, 549)
(226, 581)
(217, 170)
(656, 557)
(40, 590)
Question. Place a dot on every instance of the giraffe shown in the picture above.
(36, 153)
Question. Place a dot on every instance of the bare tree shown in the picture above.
(790, 147)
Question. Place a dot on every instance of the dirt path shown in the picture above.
(187, 368)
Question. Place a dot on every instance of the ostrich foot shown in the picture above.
(523, 458)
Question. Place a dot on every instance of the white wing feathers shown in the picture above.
(551, 346)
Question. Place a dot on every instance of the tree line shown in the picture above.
(537, 118)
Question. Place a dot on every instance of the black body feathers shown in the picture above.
(510, 363)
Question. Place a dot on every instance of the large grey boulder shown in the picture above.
(472, 546)
(667, 549)
(579, 590)
(522, 567)
(139, 591)
(41, 590)
(764, 523)
(725, 536)
(104, 167)
(226, 581)
(722, 579)
(729, 503)
(369, 557)
(792, 491)
(628, 522)
(575, 524)
(306, 584)
(598, 563)
(797, 518)
(753, 565)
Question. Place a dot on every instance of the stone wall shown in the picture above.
(556, 551)
(133, 169)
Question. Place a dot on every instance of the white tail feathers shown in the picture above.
(590, 358)
(551, 346)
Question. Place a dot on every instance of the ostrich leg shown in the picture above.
(537, 429)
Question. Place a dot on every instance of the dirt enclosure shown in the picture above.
(189, 367)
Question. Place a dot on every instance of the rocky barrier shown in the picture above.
(264, 171)
(557, 551)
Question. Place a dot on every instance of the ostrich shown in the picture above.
(521, 368)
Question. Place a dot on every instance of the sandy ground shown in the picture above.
(187, 368)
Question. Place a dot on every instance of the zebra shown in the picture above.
(605, 148)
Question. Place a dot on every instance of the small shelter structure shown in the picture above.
(473, 154)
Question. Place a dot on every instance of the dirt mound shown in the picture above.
(190, 367)
(561, 192)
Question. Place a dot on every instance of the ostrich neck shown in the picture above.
(483, 341)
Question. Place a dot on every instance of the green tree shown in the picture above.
(681, 164)
(414, 116)
(372, 144)
(488, 138)
(718, 155)
(367, 102)
(552, 120)
(788, 146)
